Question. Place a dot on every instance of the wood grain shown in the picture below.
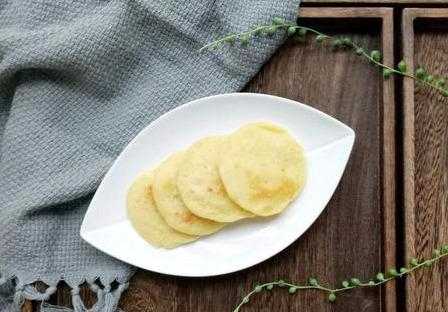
(355, 236)
(350, 15)
(388, 168)
(388, 135)
(426, 156)
(28, 307)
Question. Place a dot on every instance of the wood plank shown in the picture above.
(425, 34)
(388, 172)
(383, 15)
(388, 168)
(357, 208)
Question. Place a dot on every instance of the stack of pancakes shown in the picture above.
(254, 172)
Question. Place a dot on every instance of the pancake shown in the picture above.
(145, 218)
(200, 185)
(262, 168)
(170, 204)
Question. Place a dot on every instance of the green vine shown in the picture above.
(300, 32)
(374, 57)
(380, 278)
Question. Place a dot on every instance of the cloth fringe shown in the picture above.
(107, 298)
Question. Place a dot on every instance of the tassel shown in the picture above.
(111, 298)
(31, 293)
(110, 304)
(18, 299)
(78, 305)
(107, 300)
(51, 308)
(99, 305)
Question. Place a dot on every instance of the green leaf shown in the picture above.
(258, 288)
(269, 31)
(420, 73)
(359, 51)
(244, 40)
(258, 31)
(445, 94)
(332, 297)
(441, 82)
(269, 287)
(292, 289)
(380, 277)
(392, 272)
(429, 78)
(278, 20)
(403, 270)
(302, 32)
(413, 262)
(346, 41)
(345, 284)
(436, 253)
(387, 73)
(336, 43)
(402, 67)
(320, 38)
(313, 282)
(230, 40)
(355, 281)
(371, 283)
(375, 55)
(291, 30)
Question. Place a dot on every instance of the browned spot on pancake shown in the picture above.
(218, 190)
(262, 189)
(187, 217)
(148, 190)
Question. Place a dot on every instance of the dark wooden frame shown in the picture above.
(388, 133)
(409, 17)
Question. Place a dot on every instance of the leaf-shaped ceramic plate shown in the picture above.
(327, 144)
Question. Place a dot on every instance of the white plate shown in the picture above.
(327, 143)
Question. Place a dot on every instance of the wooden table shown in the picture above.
(393, 198)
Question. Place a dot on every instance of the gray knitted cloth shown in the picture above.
(78, 80)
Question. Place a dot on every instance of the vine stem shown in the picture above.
(395, 71)
(234, 36)
(329, 290)
(288, 26)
